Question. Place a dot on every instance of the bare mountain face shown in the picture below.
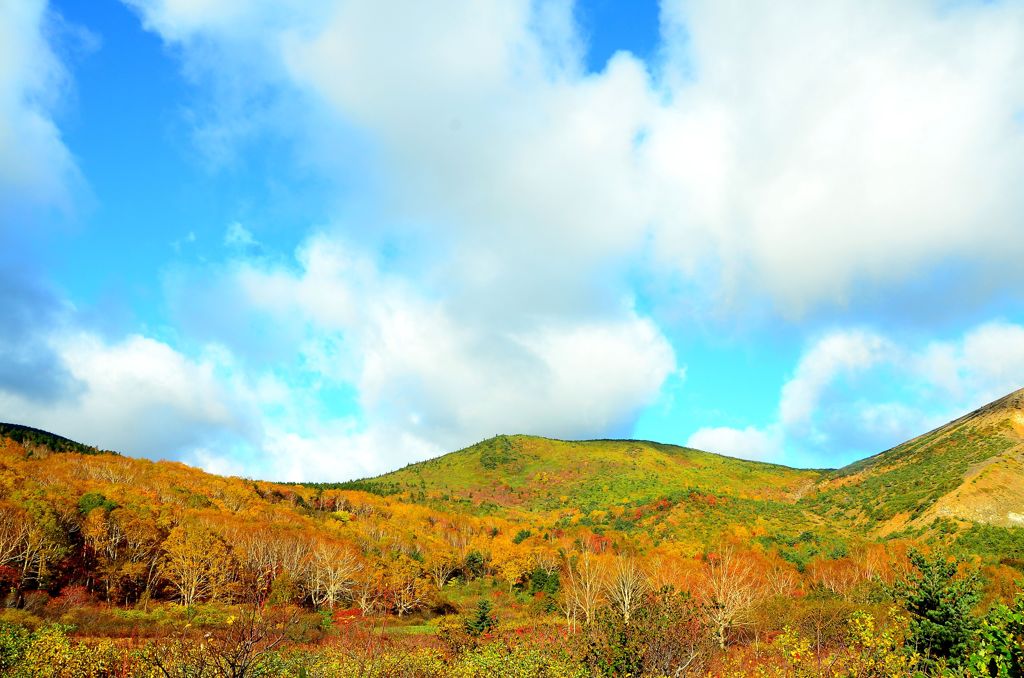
(971, 469)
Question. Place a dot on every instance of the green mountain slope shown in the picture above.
(540, 473)
(971, 469)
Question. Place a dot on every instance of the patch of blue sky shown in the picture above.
(610, 26)
(154, 198)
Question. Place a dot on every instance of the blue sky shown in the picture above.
(320, 240)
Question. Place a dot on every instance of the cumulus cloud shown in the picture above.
(237, 237)
(827, 149)
(856, 392)
(837, 354)
(138, 395)
(803, 156)
(809, 155)
(986, 364)
(422, 368)
(36, 168)
(29, 366)
(747, 443)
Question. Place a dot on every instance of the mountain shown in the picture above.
(541, 474)
(526, 531)
(40, 442)
(970, 470)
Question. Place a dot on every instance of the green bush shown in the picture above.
(94, 500)
(14, 642)
(50, 653)
(1000, 645)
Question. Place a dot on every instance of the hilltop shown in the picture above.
(38, 441)
(537, 473)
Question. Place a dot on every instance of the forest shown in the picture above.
(115, 566)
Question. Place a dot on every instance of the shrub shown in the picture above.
(521, 536)
(94, 500)
(14, 642)
(667, 635)
(1000, 647)
(498, 659)
(475, 565)
(50, 653)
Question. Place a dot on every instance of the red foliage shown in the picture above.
(9, 577)
(598, 543)
(70, 597)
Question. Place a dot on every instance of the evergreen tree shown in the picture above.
(483, 620)
(941, 604)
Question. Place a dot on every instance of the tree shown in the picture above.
(441, 567)
(626, 587)
(331, 572)
(140, 552)
(103, 537)
(14, 530)
(243, 649)
(510, 563)
(404, 586)
(666, 636)
(367, 589)
(481, 621)
(583, 591)
(729, 590)
(941, 605)
(196, 562)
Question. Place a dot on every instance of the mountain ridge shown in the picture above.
(970, 470)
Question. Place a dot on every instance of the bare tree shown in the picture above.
(14, 531)
(240, 650)
(441, 568)
(780, 577)
(331, 574)
(626, 587)
(730, 589)
(366, 592)
(584, 588)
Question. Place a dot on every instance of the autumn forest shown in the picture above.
(520, 556)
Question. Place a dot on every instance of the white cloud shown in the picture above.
(856, 392)
(986, 364)
(810, 155)
(836, 354)
(806, 154)
(35, 166)
(237, 236)
(139, 396)
(748, 443)
(818, 150)
(422, 369)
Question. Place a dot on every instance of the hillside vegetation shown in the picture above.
(543, 474)
(971, 469)
(520, 556)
